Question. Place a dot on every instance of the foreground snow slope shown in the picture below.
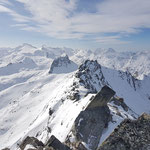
(28, 92)
(25, 106)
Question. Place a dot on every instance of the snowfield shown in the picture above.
(36, 103)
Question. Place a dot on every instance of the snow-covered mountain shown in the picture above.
(40, 102)
(63, 65)
(137, 63)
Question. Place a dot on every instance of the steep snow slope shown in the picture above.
(134, 97)
(25, 103)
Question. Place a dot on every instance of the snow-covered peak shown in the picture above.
(104, 51)
(90, 76)
(26, 45)
(63, 65)
(111, 50)
(52, 52)
(26, 49)
(12, 68)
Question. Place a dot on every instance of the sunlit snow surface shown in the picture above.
(27, 91)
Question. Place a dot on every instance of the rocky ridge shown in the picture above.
(130, 135)
(133, 81)
(91, 122)
(32, 143)
(91, 76)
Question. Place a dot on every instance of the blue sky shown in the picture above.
(120, 24)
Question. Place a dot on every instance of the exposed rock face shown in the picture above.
(52, 144)
(130, 79)
(102, 98)
(120, 102)
(89, 125)
(73, 92)
(55, 144)
(74, 96)
(63, 65)
(130, 135)
(91, 76)
(32, 141)
(6, 149)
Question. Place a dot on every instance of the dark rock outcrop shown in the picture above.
(55, 144)
(52, 144)
(120, 102)
(130, 135)
(31, 141)
(6, 149)
(90, 123)
(74, 96)
(73, 92)
(102, 98)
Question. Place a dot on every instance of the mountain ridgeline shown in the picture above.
(86, 100)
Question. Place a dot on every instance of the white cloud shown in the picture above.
(4, 9)
(19, 18)
(123, 16)
(5, 2)
(59, 18)
(110, 40)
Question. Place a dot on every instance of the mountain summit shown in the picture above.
(63, 65)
